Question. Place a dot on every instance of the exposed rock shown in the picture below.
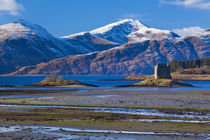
(159, 83)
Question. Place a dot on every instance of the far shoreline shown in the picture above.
(127, 77)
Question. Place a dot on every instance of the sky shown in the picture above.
(65, 17)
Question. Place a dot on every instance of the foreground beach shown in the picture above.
(107, 113)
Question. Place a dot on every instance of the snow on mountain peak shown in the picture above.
(31, 26)
(128, 25)
(22, 28)
(130, 30)
(134, 25)
(204, 34)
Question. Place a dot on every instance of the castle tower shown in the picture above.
(162, 71)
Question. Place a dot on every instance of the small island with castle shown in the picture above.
(162, 78)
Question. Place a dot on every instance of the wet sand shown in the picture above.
(147, 98)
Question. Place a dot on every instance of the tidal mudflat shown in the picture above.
(105, 113)
(109, 97)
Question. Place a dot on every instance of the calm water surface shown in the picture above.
(95, 80)
(101, 81)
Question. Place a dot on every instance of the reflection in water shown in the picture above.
(102, 134)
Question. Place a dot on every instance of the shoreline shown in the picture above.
(127, 77)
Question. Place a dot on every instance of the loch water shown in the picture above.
(101, 81)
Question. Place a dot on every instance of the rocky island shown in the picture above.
(161, 83)
(60, 82)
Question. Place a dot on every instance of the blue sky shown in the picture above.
(64, 17)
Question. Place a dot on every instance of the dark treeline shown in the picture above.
(185, 64)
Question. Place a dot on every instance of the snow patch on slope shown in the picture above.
(205, 33)
(75, 35)
(146, 33)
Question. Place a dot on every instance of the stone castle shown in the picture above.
(162, 71)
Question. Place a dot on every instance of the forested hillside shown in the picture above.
(202, 63)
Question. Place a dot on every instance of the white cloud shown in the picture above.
(10, 7)
(199, 4)
(137, 16)
(188, 30)
(132, 15)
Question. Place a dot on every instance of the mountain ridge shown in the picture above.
(126, 47)
(127, 59)
(127, 30)
(23, 43)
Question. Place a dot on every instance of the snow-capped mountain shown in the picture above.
(122, 48)
(23, 29)
(23, 43)
(128, 59)
(128, 30)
